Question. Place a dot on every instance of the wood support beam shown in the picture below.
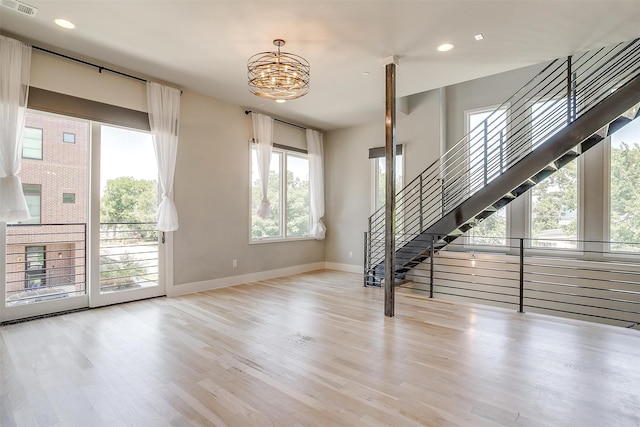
(390, 186)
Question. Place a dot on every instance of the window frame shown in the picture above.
(284, 152)
(528, 232)
(32, 193)
(41, 250)
(468, 241)
(41, 144)
(607, 171)
(64, 134)
(374, 176)
(66, 202)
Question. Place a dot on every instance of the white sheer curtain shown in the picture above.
(316, 183)
(263, 135)
(15, 60)
(164, 111)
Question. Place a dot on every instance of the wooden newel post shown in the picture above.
(390, 186)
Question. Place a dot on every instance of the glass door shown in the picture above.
(127, 242)
(44, 257)
(59, 260)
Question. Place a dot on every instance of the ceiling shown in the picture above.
(204, 45)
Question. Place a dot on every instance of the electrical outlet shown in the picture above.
(235, 263)
(350, 254)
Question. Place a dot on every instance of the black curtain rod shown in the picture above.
(99, 67)
(281, 121)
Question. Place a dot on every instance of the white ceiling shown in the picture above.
(204, 45)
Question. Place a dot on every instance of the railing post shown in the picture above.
(486, 142)
(569, 90)
(366, 256)
(86, 260)
(501, 151)
(521, 305)
(442, 205)
(421, 207)
(574, 96)
(431, 254)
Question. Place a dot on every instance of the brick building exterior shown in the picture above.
(46, 255)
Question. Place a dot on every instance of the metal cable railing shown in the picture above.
(45, 262)
(128, 255)
(48, 261)
(559, 94)
(593, 282)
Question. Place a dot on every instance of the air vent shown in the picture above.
(20, 7)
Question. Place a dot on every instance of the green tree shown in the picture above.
(297, 206)
(625, 195)
(555, 202)
(120, 270)
(126, 199)
(491, 231)
(128, 209)
(130, 201)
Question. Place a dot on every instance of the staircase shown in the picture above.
(567, 108)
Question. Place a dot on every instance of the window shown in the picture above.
(68, 197)
(32, 143)
(487, 133)
(35, 272)
(288, 194)
(624, 199)
(491, 231)
(32, 194)
(297, 196)
(554, 201)
(380, 177)
(69, 137)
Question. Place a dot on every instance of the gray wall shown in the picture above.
(212, 175)
(348, 171)
(212, 194)
(480, 93)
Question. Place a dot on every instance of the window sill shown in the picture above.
(280, 240)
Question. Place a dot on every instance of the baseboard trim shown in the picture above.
(347, 268)
(207, 285)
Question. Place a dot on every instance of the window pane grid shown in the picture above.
(32, 143)
(288, 193)
(297, 196)
(69, 137)
(487, 136)
(554, 201)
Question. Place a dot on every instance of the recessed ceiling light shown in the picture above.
(445, 47)
(281, 101)
(478, 37)
(64, 23)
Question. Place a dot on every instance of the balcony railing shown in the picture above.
(48, 261)
(128, 256)
(45, 262)
(591, 280)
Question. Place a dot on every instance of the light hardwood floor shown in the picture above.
(315, 350)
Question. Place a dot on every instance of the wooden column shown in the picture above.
(390, 187)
